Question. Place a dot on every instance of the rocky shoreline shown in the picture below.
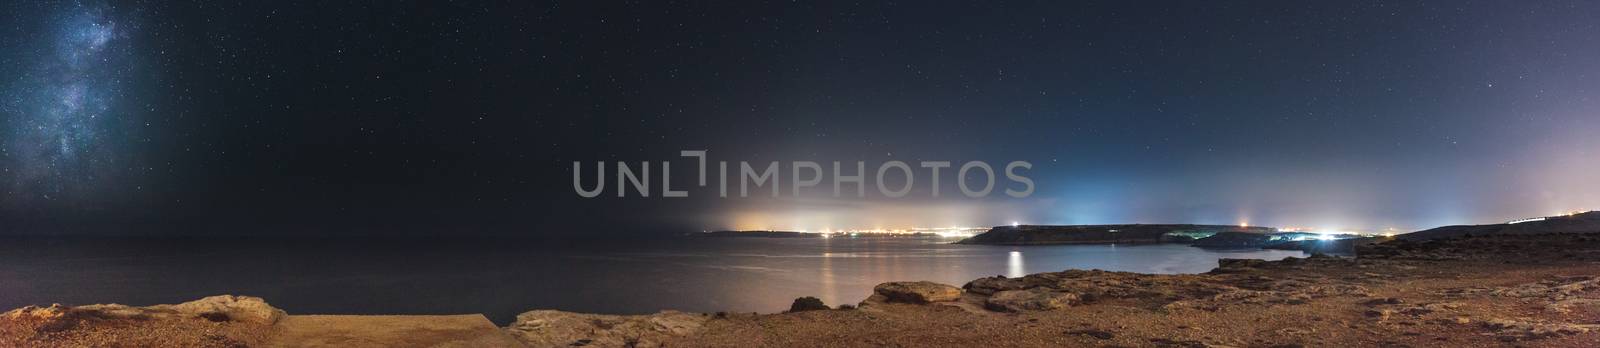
(1537, 289)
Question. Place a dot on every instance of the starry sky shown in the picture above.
(435, 118)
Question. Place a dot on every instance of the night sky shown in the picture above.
(413, 118)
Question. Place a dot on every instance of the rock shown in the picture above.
(548, 328)
(37, 313)
(122, 312)
(1294, 331)
(224, 308)
(220, 308)
(1384, 301)
(1100, 334)
(1226, 263)
(807, 303)
(1430, 308)
(53, 318)
(1297, 299)
(229, 308)
(1338, 290)
(1163, 342)
(1556, 289)
(1379, 314)
(917, 292)
(1516, 329)
(872, 300)
(1566, 306)
(1036, 299)
(991, 285)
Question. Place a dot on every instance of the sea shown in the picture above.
(501, 278)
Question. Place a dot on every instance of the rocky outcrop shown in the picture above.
(223, 308)
(548, 328)
(229, 307)
(807, 303)
(216, 321)
(991, 285)
(1036, 299)
(1558, 289)
(914, 292)
(1518, 330)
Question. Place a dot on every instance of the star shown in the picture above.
(58, 141)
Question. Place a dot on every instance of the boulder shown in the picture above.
(1036, 299)
(807, 303)
(916, 292)
(548, 328)
(991, 285)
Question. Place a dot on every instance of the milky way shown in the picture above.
(63, 110)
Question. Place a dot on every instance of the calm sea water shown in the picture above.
(501, 279)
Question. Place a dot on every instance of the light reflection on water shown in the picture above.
(503, 279)
(1014, 267)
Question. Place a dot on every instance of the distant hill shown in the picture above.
(1102, 234)
(1578, 223)
(762, 234)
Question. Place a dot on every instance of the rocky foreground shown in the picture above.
(1524, 290)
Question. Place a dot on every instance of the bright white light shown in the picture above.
(1526, 220)
(1015, 224)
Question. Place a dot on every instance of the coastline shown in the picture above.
(1466, 291)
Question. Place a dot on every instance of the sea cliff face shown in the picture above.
(1101, 234)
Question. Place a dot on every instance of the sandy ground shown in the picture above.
(194, 332)
(388, 331)
(1541, 291)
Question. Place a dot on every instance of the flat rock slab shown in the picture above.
(470, 330)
